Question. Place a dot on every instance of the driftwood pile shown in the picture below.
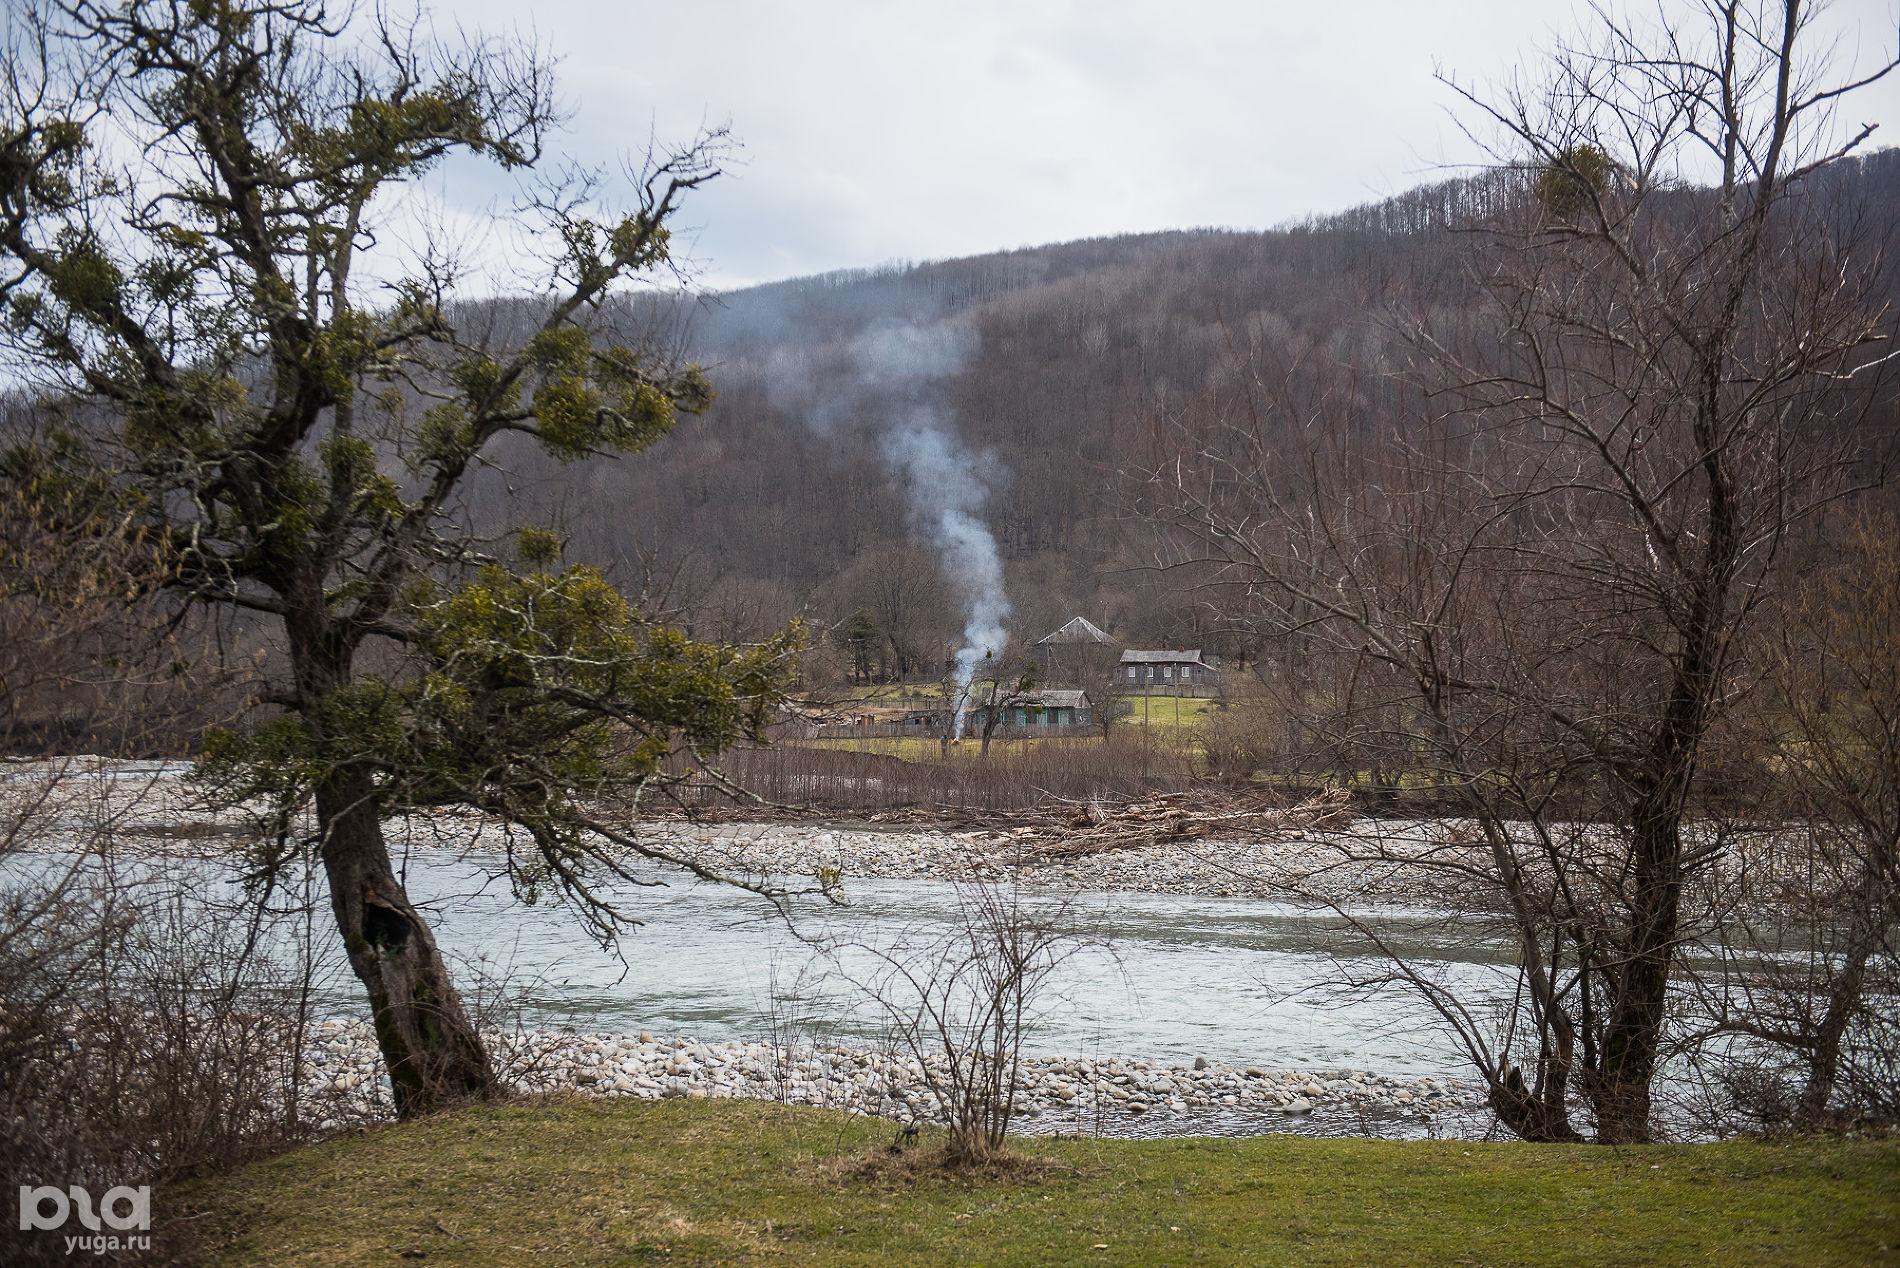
(1069, 830)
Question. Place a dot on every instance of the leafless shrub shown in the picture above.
(1801, 1009)
(1125, 766)
(796, 1011)
(960, 1003)
(144, 1033)
(507, 1005)
(1240, 741)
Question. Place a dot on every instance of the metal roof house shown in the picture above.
(1036, 708)
(1079, 630)
(1167, 669)
(1077, 652)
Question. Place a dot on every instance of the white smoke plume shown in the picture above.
(947, 484)
(898, 367)
(946, 497)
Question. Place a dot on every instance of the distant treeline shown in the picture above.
(1085, 351)
(1085, 355)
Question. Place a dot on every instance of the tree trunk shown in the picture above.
(1843, 1000)
(433, 1053)
(1632, 1034)
(1538, 1115)
(430, 1048)
(1620, 1087)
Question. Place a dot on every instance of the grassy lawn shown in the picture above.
(566, 1181)
(889, 693)
(1170, 719)
(930, 748)
(1168, 711)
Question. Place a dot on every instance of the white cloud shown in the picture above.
(876, 131)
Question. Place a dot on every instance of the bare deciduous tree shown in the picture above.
(1550, 552)
(991, 702)
(1814, 951)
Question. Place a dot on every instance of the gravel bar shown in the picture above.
(344, 1083)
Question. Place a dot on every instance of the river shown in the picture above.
(1154, 976)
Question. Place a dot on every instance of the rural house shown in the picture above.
(1168, 669)
(1078, 653)
(1036, 709)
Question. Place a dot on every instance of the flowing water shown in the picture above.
(1154, 977)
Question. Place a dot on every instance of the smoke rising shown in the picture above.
(946, 497)
(899, 366)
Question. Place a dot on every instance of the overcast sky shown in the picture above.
(882, 131)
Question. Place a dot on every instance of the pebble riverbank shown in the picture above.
(1208, 869)
(148, 808)
(344, 1082)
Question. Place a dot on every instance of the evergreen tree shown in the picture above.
(195, 204)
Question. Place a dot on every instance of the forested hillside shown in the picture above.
(1074, 355)
(1072, 364)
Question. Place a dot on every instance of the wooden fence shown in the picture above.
(907, 731)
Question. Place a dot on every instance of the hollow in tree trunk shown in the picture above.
(433, 1053)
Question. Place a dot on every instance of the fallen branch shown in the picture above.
(1066, 829)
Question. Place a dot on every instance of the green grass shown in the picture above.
(888, 693)
(1170, 718)
(565, 1181)
(1168, 711)
(930, 749)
